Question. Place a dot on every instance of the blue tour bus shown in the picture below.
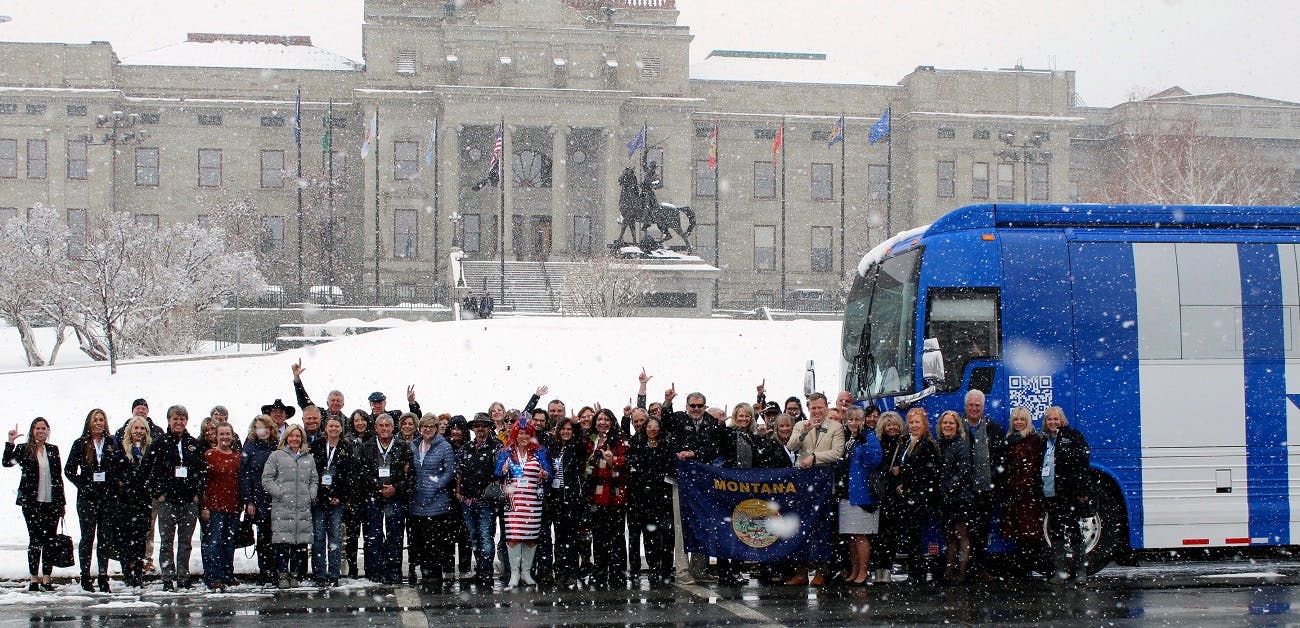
(1166, 333)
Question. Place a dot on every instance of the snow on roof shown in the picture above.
(271, 52)
(778, 67)
(997, 116)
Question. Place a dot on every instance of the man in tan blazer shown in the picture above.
(818, 440)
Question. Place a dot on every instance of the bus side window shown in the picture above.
(965, 324)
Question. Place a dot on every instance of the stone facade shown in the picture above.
(573, 81)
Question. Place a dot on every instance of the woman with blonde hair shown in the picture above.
(917, 472)
(956, 485)
(135, 505)
(291, 481)
(1022, 499)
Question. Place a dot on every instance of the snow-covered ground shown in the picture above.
(456, 367)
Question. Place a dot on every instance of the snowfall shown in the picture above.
(459, 367)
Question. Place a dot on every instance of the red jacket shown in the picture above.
(608, 477)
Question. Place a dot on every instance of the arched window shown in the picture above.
(532, 169)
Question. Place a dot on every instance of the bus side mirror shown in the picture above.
(809, 380)
(932, 362)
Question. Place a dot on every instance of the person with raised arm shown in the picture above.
(40, 494)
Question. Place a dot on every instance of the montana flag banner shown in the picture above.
(837, 133)
(776, 143)
(880, 129)
(637, 143)
(713, 148)
(763, 515)
(372, 135)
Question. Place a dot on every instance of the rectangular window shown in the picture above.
(946, 185)
(8, 159)
(406, 160)
(209, 119)
(764, 247)
(981, 134)
(979, 180)
(706, 246)
(37, 159)
(651, 67)
(209, 167)
(823, 257)
(406, 62)
(947, 134)
(706, 179)
(471, 239)
(273, 236)
(76, 159)
(273, 121)
(406, 237)
(965, 323)
(147, 221)
(152, 118)
(877, 182)
(146, 166)
(656, 156)
(8, 107)
(823, 184)
(7, 214)
(272, 168)
(204, 221)
(76, 233)
(764, 179)
(76, 111)
(35, 110)
(1006, 182)
(1038, 182)
(582, 235)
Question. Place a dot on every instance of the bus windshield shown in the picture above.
(879, 325)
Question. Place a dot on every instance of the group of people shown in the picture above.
(553, 495)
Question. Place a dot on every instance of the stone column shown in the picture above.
(561, 223)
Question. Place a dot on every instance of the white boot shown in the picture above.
(526, 564)
(514, 556)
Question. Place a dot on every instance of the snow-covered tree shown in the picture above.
(33, 279)
(607, 286)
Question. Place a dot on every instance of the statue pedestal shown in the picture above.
(682, 284)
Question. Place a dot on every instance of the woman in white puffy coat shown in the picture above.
(290, 479)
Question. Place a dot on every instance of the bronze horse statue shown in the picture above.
(640, 208)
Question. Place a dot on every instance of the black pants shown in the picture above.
(431, 539)
(353, 517)
(42, 524)
(981, 513)
(133, 525)
(266, 555)
(888, 541)
(569, 518)
(657, 530)
(914, 518)
(291, 558)
(1064, 533)
(635, 525)
(96, 524)
(609, 547)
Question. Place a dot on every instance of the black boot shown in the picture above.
(87, 583)
(103, 584)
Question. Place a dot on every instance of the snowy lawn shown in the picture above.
(456, 367)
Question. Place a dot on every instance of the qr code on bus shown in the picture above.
(1031, 391)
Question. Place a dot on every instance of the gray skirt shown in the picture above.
(855, 520)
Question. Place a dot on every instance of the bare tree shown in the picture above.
(607, 286)
(1173, 162)
(33, 279)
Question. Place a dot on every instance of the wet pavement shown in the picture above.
(1176, 594)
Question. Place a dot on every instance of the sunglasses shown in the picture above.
(695, 405)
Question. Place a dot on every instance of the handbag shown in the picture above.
(494, 495)
(60, 549)
(244, 536)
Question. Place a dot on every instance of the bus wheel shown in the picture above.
(1105, 534)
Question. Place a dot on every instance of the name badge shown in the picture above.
(555, 483)
(385, 472)
(182, 472)
(100, 476)
(327, 480)
(1047, 471)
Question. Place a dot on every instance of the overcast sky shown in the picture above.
(1117, 47)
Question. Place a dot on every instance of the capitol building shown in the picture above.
(772, 154)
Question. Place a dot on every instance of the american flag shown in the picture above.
(496, 149)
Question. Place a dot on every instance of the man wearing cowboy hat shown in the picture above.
(279, 413)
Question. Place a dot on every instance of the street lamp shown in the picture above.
(1028, 153)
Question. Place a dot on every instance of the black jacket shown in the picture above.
(81, 472)
(29, 484)
(342, 477)
(1073, 464)
(648, 467)
(956, 478)
(764, 449)
(135, 482)
(369, 461)
(475, 464)
(702, 441)
(919, 474)
(163, 459)
(155, 432)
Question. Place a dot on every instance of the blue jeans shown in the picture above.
(327, 521)
(219, 548)
(384, 524)
(479, 518)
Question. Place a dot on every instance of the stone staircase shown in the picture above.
(531, 287)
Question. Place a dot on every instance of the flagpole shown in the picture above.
(329, 189)
(376, 147)
(297, 139)
(844, 183)
(501, 184)
(781, 298)
(889, 174)
(433, 137)
(717, 210)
